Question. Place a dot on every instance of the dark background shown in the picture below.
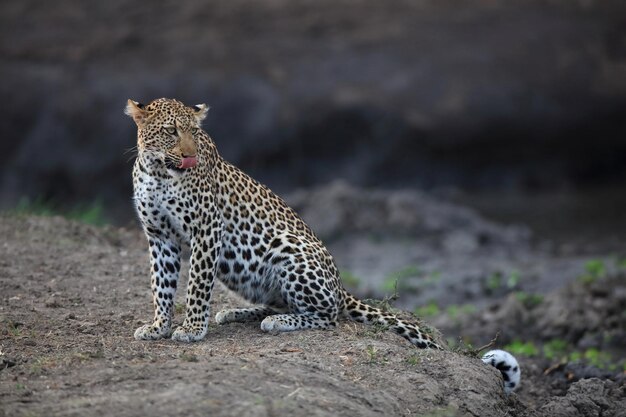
(486, 97)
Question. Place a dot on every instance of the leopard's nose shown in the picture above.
(187, 146)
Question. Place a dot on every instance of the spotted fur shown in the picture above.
(506, 363)
(239, 232)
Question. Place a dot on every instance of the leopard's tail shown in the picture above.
(357, 310)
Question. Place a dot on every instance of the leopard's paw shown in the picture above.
(151, 332)
(187, 333)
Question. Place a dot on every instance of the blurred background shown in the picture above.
(515, 109)
(468, 154)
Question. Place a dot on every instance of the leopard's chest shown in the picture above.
(166, 206)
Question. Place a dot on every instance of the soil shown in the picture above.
(73, 295)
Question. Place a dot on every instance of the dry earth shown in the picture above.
(73, 294)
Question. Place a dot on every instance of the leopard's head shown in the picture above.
(168, 132)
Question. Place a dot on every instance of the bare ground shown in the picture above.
(73, 295)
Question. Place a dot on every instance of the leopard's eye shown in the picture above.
(170, 130)
(194, 130)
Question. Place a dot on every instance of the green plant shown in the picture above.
(188, 357)
(594, 270)
(429, 310)
(413, 360)
(555, 349)
(42, 364)
(397, 278)
(96, 354)
(376, 329)
(179, 308)
(456, 310)
(513, 279)
(498, 280)
(494, 281)
(37, 206)
(372, 353)
(529, 300)
(92, 213)
(407, 272)
(349, 279)
(522, 348)
(400, 279)
(15, 329)
(386, 303)
(598, 358)
(89, 213)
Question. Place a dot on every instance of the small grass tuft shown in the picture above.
(555, 349)
(499, 280)
(595, 357)
(386, 303)
(179, 308)
(429, 310)
(88, 213)
(371, 353)
(414, 360)
(398, 278)
(522, 348)
(529, 300)
(455, 311)
(15, 329)
(595, 269)
(92, 213)
(188, 357)
(350, 279)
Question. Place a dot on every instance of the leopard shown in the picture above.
(237, 232)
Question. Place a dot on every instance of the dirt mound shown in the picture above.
(73, 295)
(570, 343)
(340, 209)
(580, 316)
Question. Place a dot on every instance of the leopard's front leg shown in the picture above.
(205, 250)
(164, 273)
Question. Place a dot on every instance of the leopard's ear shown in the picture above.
(200, 111)
(137, 111)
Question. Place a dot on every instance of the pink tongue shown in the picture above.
(188, 162)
